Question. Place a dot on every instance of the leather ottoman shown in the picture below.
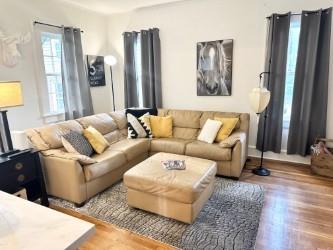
(177, 194)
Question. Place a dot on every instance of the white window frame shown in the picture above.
(47, 116)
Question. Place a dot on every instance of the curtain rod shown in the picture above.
(139, 31)
(51, 25)
(299, 14)
(293, 14)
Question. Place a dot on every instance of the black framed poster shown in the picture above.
(96, 71)
(214, 68)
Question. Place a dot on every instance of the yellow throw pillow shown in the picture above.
(161, 127)
(96, 139)
(228, 125)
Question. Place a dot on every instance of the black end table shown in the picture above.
(23, 171)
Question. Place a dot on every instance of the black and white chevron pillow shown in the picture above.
(138, 127)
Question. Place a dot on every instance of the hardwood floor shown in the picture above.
(298, 213)
(298, 210)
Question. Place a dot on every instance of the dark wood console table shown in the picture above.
(23, 171)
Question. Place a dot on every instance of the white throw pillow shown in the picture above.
(209, 131)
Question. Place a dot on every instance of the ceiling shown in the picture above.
(116, 6)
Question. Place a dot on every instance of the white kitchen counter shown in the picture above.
(26, 225)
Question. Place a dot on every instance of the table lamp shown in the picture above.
(259, 99)
(10, 96)
(111, 60)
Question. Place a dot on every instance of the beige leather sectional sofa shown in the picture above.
(76, 179)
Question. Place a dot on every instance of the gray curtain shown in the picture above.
(309, 107)
(151, 68)
(130, 77)
(276, 60)
(77, 96)
(149, 64)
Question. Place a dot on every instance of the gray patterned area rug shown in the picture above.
(229, 220)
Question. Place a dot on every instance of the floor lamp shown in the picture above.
(259, 99)
(10, 96)
(111, 61)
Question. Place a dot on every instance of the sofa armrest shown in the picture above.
(231, 141)
(64, 178)
(82, 159)
(238, 156)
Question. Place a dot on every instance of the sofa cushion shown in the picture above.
(120, 118)
(106, 162)
(162, 112)
(185, 133)
(205, 116)
(124, 132)
(36, 140)
(51, 134)
(169, 145)
(185, 118)
(114, 136)
(101, 122)
(131, 148)
(208, 151)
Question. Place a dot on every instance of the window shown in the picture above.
(52, 50)
(294, 31)
(138, 69)
(49, 51)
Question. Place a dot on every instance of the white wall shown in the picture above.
(183, 24)
(16, 17)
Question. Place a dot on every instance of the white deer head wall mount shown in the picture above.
(9, 48)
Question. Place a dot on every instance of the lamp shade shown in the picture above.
(259, 99)
(10, 94)
(110, 60)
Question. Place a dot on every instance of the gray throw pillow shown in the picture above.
(74, 142)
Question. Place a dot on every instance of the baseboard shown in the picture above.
(282, 157)
(257, 160)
